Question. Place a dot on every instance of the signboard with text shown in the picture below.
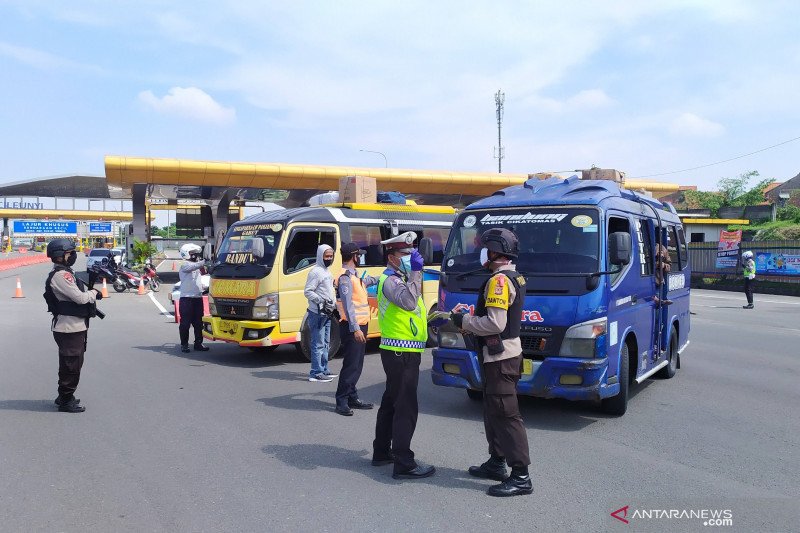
(777, 264)
(99, 227)
(46, 227)
(728, 248)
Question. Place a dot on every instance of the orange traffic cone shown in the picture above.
(141, 285)
(18, 292)
(173, 266)
(104, 292)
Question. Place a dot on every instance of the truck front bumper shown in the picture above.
(555, 377)
(250, 333)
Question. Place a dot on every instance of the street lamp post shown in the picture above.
(385, 162)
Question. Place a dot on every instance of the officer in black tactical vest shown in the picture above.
(496, 322)
(72, 305)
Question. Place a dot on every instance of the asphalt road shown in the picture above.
(233, 441)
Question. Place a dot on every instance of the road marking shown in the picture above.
(160, 307)
(701, 295)
(732, 324)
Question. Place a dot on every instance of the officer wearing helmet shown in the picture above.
(496, 323)
(72, 305)
(749, 273)
(190, 303)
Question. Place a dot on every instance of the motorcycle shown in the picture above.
(126, 279)
(151, 277)
(107, 270)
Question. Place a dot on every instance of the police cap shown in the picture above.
(402, 243)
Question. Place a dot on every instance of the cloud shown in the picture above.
(189, 102)
(581, 101)
(690, 125)
(41, 60)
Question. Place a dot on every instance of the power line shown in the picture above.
(718, 162)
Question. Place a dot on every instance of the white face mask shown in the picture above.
(484, 259)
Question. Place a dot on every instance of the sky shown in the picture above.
(645, 87)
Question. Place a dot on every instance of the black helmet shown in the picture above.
(501, 241)
(59, 247)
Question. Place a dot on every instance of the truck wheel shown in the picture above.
(617, 405)
(669, 371)
(304, 346)
(476, 395)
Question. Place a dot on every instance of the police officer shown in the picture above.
(354, 312)
(401, 314)
(497, 323)
(191, 300)
(749, 273)
(72, 305)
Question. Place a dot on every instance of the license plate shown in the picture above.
(228, 326)
(527, 367)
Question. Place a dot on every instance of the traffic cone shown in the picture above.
(104, 292)
(173, 266)
(18, 292)
(141, 285)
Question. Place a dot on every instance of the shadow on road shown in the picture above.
(313, 456)
(227, 355)
(28, 405)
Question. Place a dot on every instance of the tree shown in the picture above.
(732, 192)
(142, 250)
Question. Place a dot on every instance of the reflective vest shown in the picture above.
(749, 269)
(359, 297)
(401, 330)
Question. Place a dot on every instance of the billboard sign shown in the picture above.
(728, 248)
(46, 227)
(777, 264)
(99, 227)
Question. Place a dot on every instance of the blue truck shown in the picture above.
(608, 282)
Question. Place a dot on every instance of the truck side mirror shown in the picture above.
(426, 250)
(208, 254)
(257, 249)
(619, 248)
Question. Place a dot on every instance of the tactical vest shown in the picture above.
(359, 297)
(66, 307)
(514, 321)
(401, 330)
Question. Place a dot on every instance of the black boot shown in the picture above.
(71, 406)
(517, 484)
(198, 347)
(494, 468)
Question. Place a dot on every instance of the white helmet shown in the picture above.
(747, 255)
(190, 249)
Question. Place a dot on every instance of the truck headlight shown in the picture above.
(449, 337)
(267, 307)
(212, 307)
(587, 340)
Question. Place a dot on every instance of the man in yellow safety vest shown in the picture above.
(353, 305)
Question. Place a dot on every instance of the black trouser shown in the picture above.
(749, 285)
(352, 364)
(191, 315)
(397, 416)
(71, 347)
(502, 420)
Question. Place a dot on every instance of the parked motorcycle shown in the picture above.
(151, 277)
(107, 270)
(126, 279)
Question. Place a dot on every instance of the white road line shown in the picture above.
(739, 297)
(160, 307)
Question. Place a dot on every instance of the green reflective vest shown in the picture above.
(749, 269)
(401, 330)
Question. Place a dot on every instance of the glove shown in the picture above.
(416, 261)
(98, 295)
(457, 319)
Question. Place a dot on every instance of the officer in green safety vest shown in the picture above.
(749, 273)
(404, 332)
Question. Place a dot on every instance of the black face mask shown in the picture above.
(327, 262)
(70, 260)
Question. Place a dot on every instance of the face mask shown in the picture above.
(484, 259)
(71, 259)
(405, 264)
(327, 262)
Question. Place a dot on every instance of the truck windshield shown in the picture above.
(236, 248)
(551, 239)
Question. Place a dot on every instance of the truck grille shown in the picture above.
(231, 308)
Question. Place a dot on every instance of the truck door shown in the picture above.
(299, 256)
